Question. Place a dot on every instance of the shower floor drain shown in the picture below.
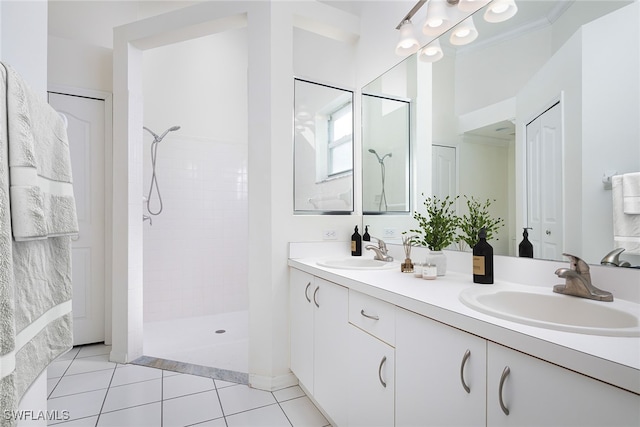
(220, 331)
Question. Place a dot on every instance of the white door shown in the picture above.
(444, 171)
(544, 184)
(86, 130)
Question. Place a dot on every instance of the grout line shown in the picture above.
(224, 417)
(282, 409)
(105, 395)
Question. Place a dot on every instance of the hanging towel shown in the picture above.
(41, 191)
(626, 227)
(35, 243)
(631, 193)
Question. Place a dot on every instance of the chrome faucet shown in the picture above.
(381, 250)
(613, 258)
(578, 281)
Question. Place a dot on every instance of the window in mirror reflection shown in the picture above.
(323, 148)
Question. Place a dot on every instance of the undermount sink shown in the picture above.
(356, 263)
(541, 307)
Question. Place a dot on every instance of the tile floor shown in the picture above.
(96, 392)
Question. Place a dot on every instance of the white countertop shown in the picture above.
(615, 360)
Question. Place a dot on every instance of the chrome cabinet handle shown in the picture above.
(306, 292)
(368, 316)
(503, 378)
(315, 301)
(465, 358)
(384, 359)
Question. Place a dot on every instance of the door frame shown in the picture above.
(108, 190)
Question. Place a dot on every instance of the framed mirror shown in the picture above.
(323, 148)
(386, 150)
(484, 94)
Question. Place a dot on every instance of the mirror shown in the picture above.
(323, 148)
(483, 96)
(386, 124)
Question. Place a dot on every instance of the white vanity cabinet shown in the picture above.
(440, 374)
(319, 333)
(538, 393)
(371, 379)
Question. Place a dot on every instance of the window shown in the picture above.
(339, 145)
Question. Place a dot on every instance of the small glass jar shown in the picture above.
(429, 271)
(417, 269)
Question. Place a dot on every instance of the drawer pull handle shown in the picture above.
(306, 292)
(315, 301)
(384, 359)
(368, 316)
(465, 358)
(503, 378)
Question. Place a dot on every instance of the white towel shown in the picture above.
(41, 191)
(35, 275)
(631, 193)
(626, 227)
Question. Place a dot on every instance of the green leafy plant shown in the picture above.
(477, 218)
(437, 230)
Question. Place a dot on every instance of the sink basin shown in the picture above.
(543, 308)
(357, 264)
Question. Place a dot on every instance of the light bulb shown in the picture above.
(500, 8)
(463, 32)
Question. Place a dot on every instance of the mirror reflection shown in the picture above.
(489, 99)
(385, 154)
(323, 148)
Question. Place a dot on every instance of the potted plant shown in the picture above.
(437, 230)
(477, 217)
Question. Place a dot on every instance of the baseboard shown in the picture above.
(118, 357)
(272, 383)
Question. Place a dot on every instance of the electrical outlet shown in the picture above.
(329, 235)
(390, 233)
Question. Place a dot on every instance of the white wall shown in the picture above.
(196, 251)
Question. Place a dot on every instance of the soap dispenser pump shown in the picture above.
(483, 260)
(356, 243)
(525, 249)
(366, 236)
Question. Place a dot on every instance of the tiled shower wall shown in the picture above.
(195, 253)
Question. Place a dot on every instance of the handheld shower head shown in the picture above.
(159, 138)
(380, 159)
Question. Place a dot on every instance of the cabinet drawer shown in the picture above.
(373, 315)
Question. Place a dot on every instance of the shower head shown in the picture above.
(371, 150)
(159, 138)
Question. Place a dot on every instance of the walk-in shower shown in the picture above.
(383, 195)
(154, 180)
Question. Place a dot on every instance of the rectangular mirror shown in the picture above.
(323, 148)
(386, 131)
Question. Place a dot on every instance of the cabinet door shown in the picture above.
(331, 303)
(301, 288)
(371, 380)
(537, 393)
(432, 371)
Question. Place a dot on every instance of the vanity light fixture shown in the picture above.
(431, 52)
(441, 14)
(500, 11)
(408, 44)
(464, 33)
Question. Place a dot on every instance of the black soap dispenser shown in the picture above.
(366, 237)
(525, 249)
(356, 243)
(483, 260)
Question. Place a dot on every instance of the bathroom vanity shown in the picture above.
(379, 347)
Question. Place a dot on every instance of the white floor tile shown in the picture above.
(90, 364)
(220, 422)
(126, 396)
(268, 416)
(191, 409)
(139, 416)
(288, 393)
(79, 405)
(69, 355)
(243, 398)
(180, 385)
(222, 384)
(303, 413)
(82, 422)
(79, 383)
(57, 369)
(94, 350)
(51, 384)
(129, 374)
